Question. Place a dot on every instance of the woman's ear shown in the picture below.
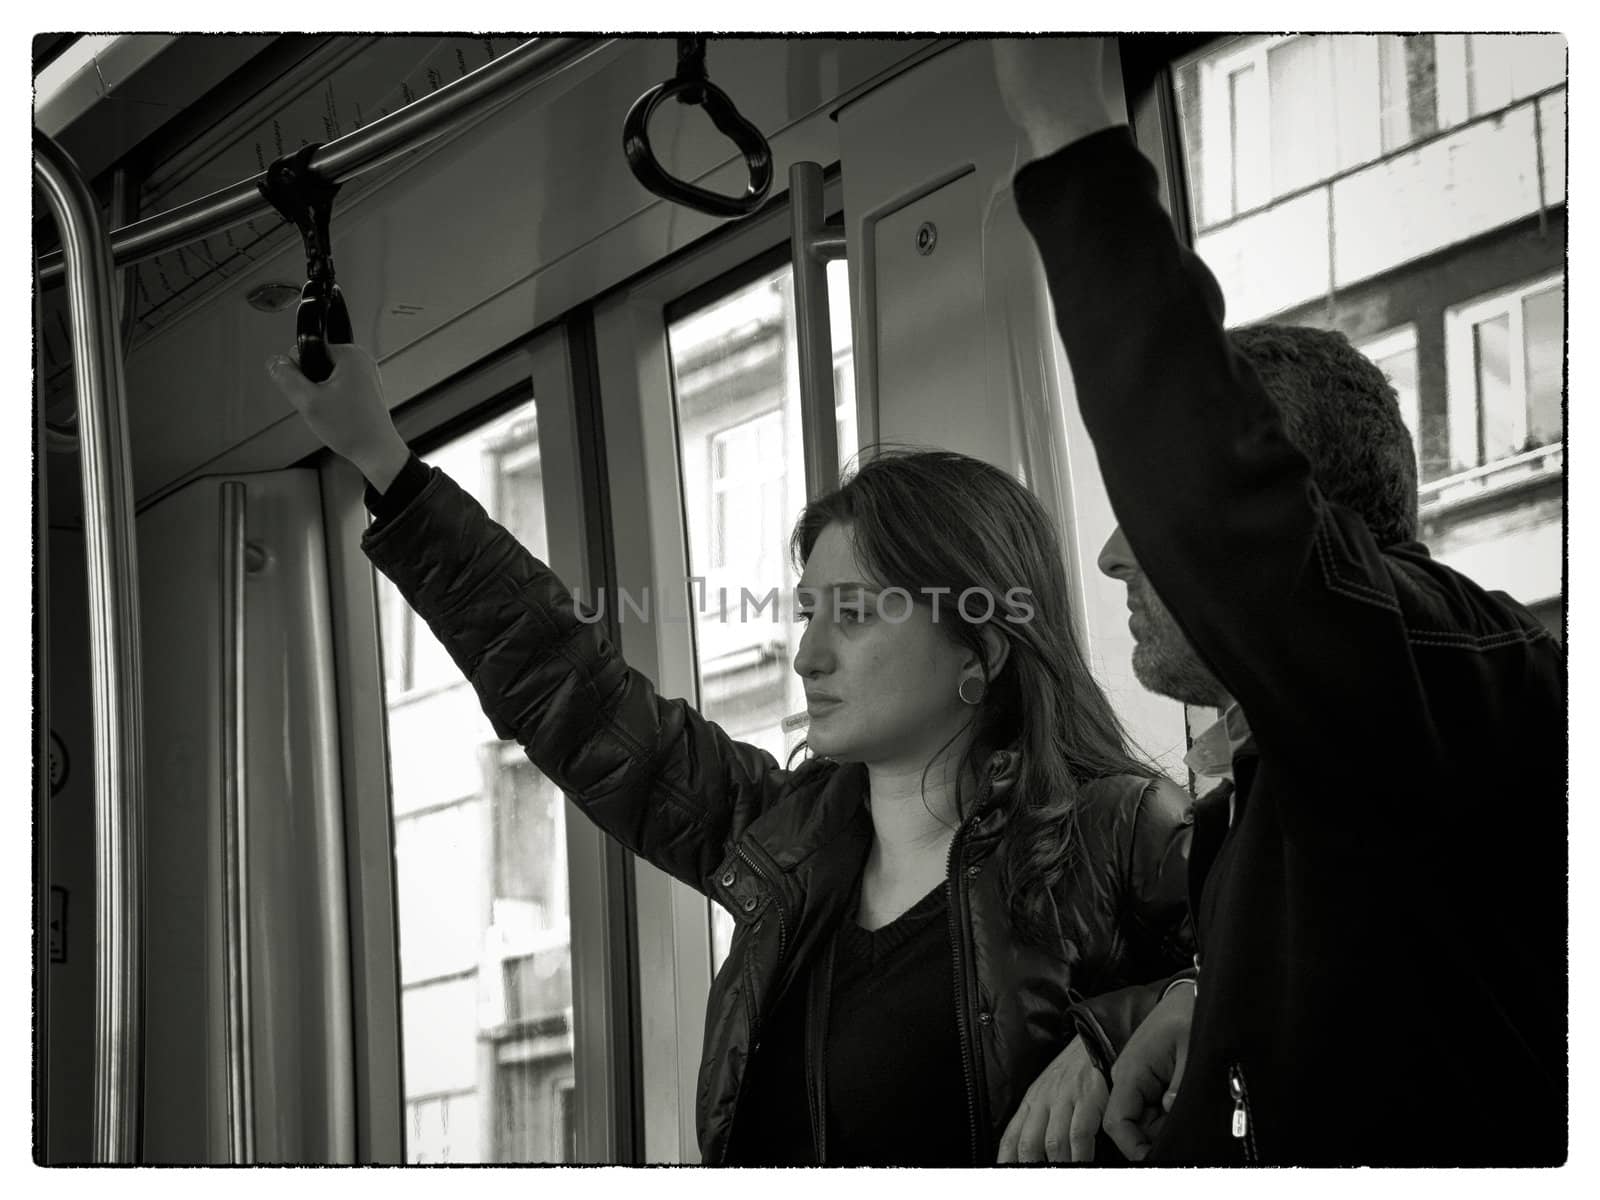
(996, 649)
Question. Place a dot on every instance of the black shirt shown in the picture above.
(895, 1091)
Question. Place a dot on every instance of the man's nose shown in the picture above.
(1116, 557)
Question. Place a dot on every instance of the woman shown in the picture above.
(919, 905)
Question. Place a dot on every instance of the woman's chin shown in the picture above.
(829, 744)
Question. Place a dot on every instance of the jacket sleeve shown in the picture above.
(1106, 1022)
(1286, 596)
(662, 780)
(1155, 935)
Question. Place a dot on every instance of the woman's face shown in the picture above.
(881, 676)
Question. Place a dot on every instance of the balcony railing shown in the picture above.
(1502, 475)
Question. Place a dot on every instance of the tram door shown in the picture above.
(247, 1023)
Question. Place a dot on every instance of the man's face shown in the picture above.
(1163, 660)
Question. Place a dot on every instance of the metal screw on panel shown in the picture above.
(927, 237)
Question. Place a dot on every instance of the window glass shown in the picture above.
(1301, 114)
(1498, 418)
(736, 379)
(481, 873)
(1396, 356)
(1544, 342)
(1408, 182)
(1506, 353)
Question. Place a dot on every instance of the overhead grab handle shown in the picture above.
(305, 200)
(691, 86)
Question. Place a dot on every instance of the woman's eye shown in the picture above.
(851, 616)
(803, 616)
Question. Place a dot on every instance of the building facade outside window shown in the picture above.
(1410, 192)
(481, 872)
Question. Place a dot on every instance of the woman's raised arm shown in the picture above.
(651, 771)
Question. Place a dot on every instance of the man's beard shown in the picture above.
(1165, 663)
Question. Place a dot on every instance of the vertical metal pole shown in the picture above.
(114, 653)
(814, 244)
(235, 840)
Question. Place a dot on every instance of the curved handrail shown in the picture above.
(371, 146)
(114, 652)
(690, 86)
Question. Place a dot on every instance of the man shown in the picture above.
(1379, 892)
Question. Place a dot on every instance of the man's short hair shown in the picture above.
(1343, 415)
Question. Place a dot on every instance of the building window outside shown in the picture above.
(442, 1129)
(1276, 113)
(519, 486)
(1395, 354)
(1503, 67)
(529, 835)
(565, 1132)
(747, 498)
(1505, 357)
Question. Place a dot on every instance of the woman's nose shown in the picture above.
(812, 658)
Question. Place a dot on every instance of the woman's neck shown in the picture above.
(915, 809)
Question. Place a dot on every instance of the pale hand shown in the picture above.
(1145, 1078)
(1059, 90)
(1059, 1115)
(346, 411)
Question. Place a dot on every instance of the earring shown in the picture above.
(962, 690)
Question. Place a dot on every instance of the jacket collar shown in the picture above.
(810, 819)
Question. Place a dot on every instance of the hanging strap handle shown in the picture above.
(692, 86)
(305, 200)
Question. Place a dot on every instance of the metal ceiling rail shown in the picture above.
(384, 140)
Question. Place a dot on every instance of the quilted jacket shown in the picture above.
(781, 849)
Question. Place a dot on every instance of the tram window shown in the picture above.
(481, 871)
(1410, 192)
(735, 369)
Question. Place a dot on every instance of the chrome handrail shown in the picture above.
(114, 652)
(371, 146)
(813, 245)
(235, 876)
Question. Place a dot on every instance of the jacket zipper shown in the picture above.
(755, 1021)
(956, 921)
(1243, 1127)
(783, 929)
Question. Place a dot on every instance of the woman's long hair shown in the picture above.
(923, 519)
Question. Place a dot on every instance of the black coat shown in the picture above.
(1383, 925)
(780, 849)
